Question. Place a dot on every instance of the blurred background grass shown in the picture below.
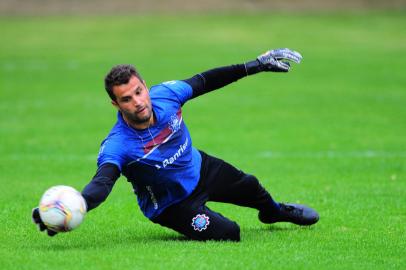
(330, 133)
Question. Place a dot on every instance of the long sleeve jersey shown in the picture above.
(160, 162)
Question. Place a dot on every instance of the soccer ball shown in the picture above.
(62, 208)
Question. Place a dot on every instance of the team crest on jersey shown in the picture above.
(174, 124)
(200, 222)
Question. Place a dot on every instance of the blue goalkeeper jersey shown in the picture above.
(160, 161)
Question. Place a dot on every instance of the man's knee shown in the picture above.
(233, 232)
(230, 233)
(250, 179)
(251, 185)
(224, 231)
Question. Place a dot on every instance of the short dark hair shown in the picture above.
(118, 75)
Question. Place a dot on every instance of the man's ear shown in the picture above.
(114, 103)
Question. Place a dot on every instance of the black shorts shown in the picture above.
(219, 182)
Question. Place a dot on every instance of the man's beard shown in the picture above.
(138, 120)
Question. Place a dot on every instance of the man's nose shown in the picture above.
(136, 101)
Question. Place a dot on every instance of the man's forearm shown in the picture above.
(274, 61)
(215, 78)
(101, 185)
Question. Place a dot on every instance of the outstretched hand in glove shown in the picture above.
(274, 60)
(36, 218)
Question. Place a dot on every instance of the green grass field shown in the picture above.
(332, 134)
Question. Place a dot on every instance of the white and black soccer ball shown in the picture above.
(62, 208)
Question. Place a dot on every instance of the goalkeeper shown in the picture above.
(151, 146)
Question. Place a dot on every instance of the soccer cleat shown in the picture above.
(295, 213)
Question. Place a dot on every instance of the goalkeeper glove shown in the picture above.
(36, 218)
(274, 60)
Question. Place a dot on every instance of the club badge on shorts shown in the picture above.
(200, 222)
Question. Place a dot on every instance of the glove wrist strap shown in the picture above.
(253, 67)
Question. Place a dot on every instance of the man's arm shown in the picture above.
(101, 185)
(274, 61)
(94, 193)
(215, 78)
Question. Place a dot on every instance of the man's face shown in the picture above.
(133, 101)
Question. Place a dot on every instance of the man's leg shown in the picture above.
(199, 223)
(230, 185)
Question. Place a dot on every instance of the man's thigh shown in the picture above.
(200, 223)
(226, 183)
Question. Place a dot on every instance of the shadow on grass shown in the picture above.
(277, 228)
(287, 227)
(63, 242)
(133, 238)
